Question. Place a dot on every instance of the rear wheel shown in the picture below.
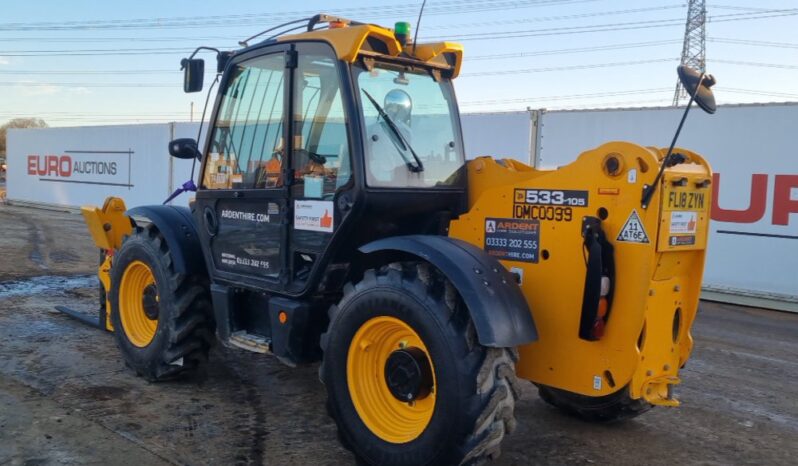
(161, 319)
(406, 379)
(614, 407)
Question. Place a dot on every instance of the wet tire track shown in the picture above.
(35, 239)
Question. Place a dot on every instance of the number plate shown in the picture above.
(685, 199)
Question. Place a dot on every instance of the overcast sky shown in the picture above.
(95, 62)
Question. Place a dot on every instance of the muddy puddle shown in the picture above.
(47, 284)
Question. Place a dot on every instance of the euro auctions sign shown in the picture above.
(109, 168)
(77, 166)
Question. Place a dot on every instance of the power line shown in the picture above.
(761, 93)
(238, 24)
(757, 43)
(557, 18)
(172, 116)
(717, 18)
(595, 95)
(571, 50)
(446, 26)
(567, 30)
(476, 74)
(757, 64)
(390, 10)
(467, 59)
(568, 68)
(612, 27)
(90, 84)
(88, 72)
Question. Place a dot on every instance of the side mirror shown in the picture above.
(691, 80)
(193, 74)
(184, 148)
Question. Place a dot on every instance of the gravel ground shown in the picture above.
(67, 398)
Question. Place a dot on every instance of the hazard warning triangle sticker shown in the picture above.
(633, 231)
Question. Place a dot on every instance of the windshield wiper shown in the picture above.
(405, 145)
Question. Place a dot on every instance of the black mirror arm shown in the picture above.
(648, 190)
(202, 47)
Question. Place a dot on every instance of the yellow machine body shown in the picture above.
(657, 281)
(350, 43)
(108, 226)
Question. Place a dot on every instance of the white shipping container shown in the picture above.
(501, 135)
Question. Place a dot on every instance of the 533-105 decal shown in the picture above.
(548, 204)
(555, 197)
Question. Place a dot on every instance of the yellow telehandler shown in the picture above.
(336, 219)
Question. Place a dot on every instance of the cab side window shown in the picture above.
(247, 142)
(320, 161)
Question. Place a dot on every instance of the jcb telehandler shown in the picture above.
(336, 219)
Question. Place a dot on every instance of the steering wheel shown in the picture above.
(320, 159)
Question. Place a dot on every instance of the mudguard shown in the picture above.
(498, 309)
(177, 226)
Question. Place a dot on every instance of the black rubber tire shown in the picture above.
(614, 407)
(184, 333)
(477, 385)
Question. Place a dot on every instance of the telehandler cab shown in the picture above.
(336, 219)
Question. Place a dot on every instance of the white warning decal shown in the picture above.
(633, 231)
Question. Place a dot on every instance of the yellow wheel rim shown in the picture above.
(137, 295)
(387, 417)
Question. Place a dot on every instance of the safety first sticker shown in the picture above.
(314, 216)
(633, 230)
(683, 222)
(512, 239)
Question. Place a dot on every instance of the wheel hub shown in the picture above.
(149, 301)
(408, 374)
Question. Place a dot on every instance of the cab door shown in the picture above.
(322, 185)
(242, 200)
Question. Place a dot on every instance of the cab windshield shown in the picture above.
(423, 112)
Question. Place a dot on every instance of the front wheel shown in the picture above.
(406, 379)
(161, 319)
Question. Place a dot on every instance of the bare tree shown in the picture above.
(18, 123)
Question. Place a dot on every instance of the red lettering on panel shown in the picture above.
(41, 166)
(783, 203)
(52, 165)
(756, 205)
(65, 166)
